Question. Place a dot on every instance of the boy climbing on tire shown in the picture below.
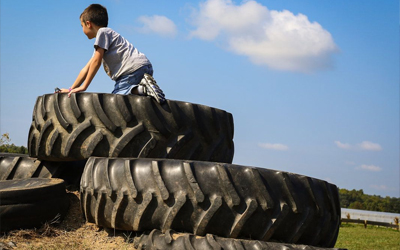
(130, 69)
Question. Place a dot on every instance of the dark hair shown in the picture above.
(96, 14)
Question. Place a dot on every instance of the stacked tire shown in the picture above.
(29, 203)
(165, 170)
(107, 125)
(209, 198)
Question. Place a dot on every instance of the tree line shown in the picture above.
(356, 199)
(6, 147)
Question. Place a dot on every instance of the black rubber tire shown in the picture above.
(204, 197)
(155, 240)
(32, 202)
(109, 125)
(19, 166)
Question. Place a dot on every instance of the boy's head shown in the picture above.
(96, 14)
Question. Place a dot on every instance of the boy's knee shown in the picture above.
(135, 91)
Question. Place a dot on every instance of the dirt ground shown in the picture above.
(72, 233)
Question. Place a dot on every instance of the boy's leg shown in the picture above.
(128, 84)
(137, 89)
(149, 86)
(140, 82)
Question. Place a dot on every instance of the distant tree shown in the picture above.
(356, 199)
(5, 139)
(396, 204)
(6, 147)
(356, 205)
(344, 198)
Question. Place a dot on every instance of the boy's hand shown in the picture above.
(69, 91)
(57, 90)
(76, 90)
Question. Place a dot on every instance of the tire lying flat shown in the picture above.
(171, 240)
(109, 125)
(19, 166)
(210, 198)
(29, 203)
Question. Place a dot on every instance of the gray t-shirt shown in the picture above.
(120, 56)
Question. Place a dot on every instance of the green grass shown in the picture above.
(356, 237)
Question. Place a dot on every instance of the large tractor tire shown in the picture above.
(19, 166)
(155, 240)
(210, 198)
(32, 202)
(109, 125)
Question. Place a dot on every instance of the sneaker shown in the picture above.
(150, 88)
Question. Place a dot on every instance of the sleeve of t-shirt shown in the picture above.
(103, 39)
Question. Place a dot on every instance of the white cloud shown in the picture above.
(279, 39)
(372, 168)
(342, 145)
(276, 146)
(160, 25)
(365, 146)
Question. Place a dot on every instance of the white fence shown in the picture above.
(370, 218)
(356, 214)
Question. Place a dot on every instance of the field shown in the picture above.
(74, 233)
(356, 237)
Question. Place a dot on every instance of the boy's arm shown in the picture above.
(82, 75)
(88, 72)
(79, 80)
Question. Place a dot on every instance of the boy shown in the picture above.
(129, 68)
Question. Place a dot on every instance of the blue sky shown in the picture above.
(313, 86)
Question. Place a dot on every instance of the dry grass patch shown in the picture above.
(72, 233)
